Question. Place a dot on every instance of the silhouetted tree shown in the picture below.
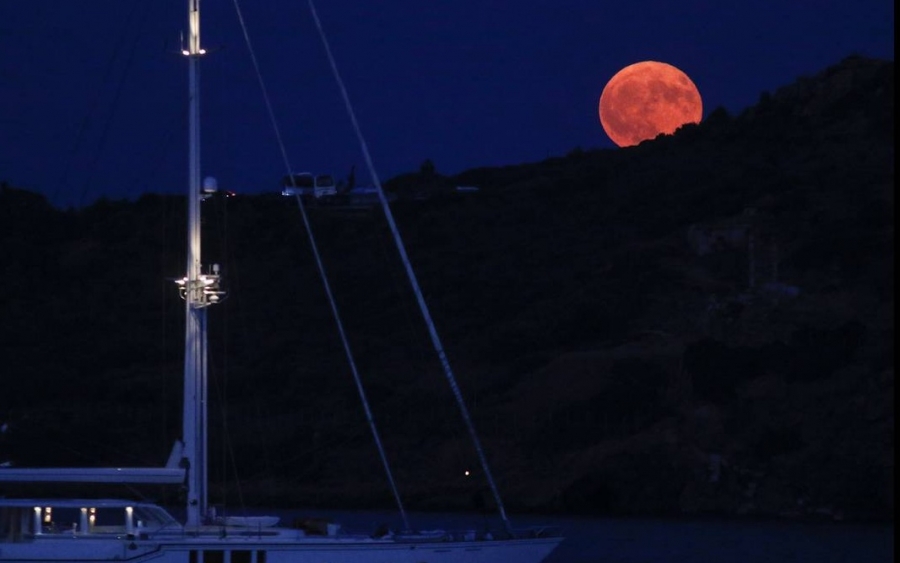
(427, 168)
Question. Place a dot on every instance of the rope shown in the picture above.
(435, 339)
(321, 267)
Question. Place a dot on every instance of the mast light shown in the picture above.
(206, 288)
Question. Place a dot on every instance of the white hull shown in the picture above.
(287, 547)
(83, 530)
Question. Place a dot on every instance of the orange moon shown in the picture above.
(646, 99)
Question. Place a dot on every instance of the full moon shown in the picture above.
(646, 99)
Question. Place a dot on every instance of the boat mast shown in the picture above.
(194, 429)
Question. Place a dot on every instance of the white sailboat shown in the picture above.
(98, 530)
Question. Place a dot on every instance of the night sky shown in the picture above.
(93, 93)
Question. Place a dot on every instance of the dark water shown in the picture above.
(659, 541)
(609, 540)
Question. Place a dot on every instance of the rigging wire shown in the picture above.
(340, 326)
(436, 341)
(405, 306)
(321, 267)
(85, 122)
(104, 135)
(228, 460)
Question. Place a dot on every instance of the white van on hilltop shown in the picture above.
(308, 185)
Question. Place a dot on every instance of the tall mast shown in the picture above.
(194, 430)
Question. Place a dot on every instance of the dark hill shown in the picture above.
(699, 324)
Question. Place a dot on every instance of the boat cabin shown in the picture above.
(66, 530)
(25, 519)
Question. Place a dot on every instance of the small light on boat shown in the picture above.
(185, 52)
(467, 473)
(129, 520)
(48, 514)
(202, 51)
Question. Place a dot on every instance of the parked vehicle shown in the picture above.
(308, 185)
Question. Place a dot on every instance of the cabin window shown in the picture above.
(240, 556)
(57, 520)
(13, 522)
(260, 557)
(216, 556)
(152, 517)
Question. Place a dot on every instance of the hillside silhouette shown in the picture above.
(700, 324)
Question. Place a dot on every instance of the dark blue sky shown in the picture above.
(92, 93)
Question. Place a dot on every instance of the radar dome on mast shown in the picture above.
(210, 185)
